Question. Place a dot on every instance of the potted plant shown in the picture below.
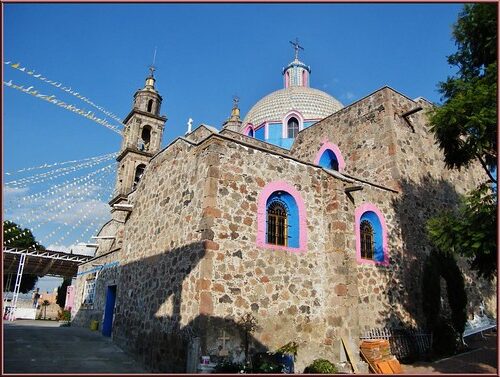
(64, 317)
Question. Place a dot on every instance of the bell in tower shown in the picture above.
(141, 138)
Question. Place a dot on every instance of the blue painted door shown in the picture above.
(107, 324)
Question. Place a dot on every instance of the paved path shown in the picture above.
(44, 347)
(483, 358)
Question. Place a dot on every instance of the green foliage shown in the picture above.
(466, 125)
(291, 348)
(264, 362)
(445, 333)
(61, 292)
(24, 241)
(64, 315)
(321, 366)
(470, 231)
(229, 367)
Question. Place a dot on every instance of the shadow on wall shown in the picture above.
(149, 309)
(418, 202)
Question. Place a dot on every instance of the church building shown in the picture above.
(306, 214)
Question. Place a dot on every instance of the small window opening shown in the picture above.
(293, 127)
(150, 105)
(139, 171)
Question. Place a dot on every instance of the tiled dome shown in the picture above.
(311, 103)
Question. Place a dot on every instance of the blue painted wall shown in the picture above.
(260, 134)
(378, 248)
(308, 124)
(293, 215)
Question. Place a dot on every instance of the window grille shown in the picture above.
(277, 227)
(366, 240)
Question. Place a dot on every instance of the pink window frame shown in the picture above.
(262, 215)
(365, 207)
(335, 149)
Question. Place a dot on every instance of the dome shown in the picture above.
(311, 103)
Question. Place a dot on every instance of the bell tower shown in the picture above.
(141, 138)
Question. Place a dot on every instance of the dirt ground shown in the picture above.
(481, 358)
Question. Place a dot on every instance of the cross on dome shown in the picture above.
(296, 46)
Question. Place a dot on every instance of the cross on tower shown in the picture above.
(236, 100)
(296, 46)
(152, 70)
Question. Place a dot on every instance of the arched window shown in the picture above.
(371, 235)
(139, 171)
(329, 157)
(366, 240)
(277, 224)
(281, 218)
(250, 132)
(150, 105)
(293, 127)
(146, 136)
(329, 160)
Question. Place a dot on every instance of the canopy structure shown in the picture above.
(17, 262)
(42, 262)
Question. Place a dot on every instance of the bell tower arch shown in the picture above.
(141, 138)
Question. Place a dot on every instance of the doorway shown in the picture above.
(107, 325)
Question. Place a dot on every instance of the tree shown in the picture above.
(45, 303)
(466, 125)
(470, 230)
(23, 239)
(61, 292)
(465, 128)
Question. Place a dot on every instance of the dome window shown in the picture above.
(292, 127)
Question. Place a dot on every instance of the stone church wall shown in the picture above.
(313, 297)
(363, 133)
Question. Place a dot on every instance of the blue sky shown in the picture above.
(206, 53)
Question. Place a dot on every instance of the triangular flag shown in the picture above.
(15, 65)
(37, 76)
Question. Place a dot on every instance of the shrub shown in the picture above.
(64, 315)
(322, 366)
(229, 367)
(445, 339)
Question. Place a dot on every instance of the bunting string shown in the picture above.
(68, 183)
(46, 166)
(53, 174)
(60, 86)
(52, 209)
(52, 99)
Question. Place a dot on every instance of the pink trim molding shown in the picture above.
(292, 113)
(262, 214)
(335, 149)
(365, 207)
(247, 129)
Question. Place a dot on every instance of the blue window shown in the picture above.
(371, 237)
(282, 220)
(329, 160)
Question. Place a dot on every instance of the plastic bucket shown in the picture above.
(94, 325)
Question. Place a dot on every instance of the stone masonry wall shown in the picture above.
(311, 297)
(364, 135)
(160, 267)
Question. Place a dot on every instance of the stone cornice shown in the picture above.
(161, 118)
